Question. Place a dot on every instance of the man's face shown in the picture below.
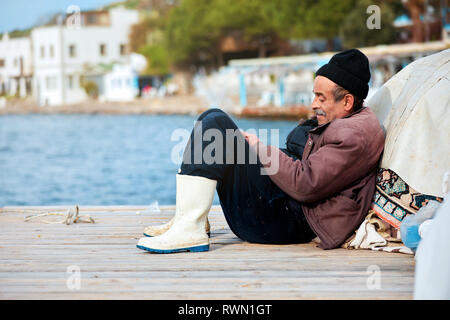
(324, 105)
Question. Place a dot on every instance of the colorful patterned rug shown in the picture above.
(394, 199)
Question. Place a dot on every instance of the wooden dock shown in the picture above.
(41, 261)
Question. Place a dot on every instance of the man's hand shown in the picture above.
(251, 138)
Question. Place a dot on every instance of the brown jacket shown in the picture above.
(335, 180)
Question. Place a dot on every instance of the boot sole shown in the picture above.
(188, 249)
(147, 235)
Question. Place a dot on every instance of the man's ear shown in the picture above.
(349, 100)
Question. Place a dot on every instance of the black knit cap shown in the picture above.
(350, 70)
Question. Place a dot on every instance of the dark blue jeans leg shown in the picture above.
(255, 209)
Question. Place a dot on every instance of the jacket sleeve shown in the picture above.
(337, 163)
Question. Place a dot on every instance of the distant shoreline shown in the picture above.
(175, 105)
(168, 105)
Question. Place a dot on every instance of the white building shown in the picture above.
(15, 66)
(121, 83)
(63, 54)
(118, 81)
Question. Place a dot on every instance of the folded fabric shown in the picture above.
(375, 234)
(367, 237)
(394, 199)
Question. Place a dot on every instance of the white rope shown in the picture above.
(71, 216)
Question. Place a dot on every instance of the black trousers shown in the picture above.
(255, 209)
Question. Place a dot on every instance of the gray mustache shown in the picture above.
(319, 112)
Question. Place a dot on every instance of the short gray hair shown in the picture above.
(339, 93)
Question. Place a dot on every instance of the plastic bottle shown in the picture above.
(409, 229)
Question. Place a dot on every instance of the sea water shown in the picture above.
(96, 159)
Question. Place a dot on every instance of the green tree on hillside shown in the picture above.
(354, 31)
(147, 36)
(196, 28)
(190, 33)
(321, 19)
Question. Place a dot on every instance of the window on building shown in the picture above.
(2, 63)
(42, 52)
(50, 82)
(97, 18)
(52, 51)
(72, 51)
(91, 19)
(122, 49)
(70, 82)
(103, 49)
(81, 81)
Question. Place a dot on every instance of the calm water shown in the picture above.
(95, 159)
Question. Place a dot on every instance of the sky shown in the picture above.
(22, 14)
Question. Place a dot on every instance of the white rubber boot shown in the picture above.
(187, 233)
(153, 231)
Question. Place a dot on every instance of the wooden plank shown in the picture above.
(100, 209)
(195, 295)
(34, 258)
(344, 272)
